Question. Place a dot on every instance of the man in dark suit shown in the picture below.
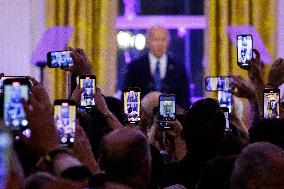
(157, 71)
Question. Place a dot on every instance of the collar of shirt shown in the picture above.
(163, 64)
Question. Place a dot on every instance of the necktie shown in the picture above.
(157, 79)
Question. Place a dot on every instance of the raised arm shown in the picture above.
(44, 138)
(102, 108)
(276, 73)
(256, 77)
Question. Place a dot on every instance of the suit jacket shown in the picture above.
(175, 81)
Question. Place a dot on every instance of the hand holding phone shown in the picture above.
(175, 130)
(41, 122)
(82, 65)
(243, 88)
(167, 104)
(14, 91)
(244, 50)
(131, 105)
(254, 71)
(57, 59)
(225, 99)
(65, 121)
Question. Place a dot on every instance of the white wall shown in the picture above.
(21, 26)
(280, 29)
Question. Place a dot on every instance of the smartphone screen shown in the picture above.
(227, 117)
(65, 120)
(225, 99)
(14, 91)
(59, 59)
(220, 83)
(167, 104)
(131, 105)
(244, 46)
(271, 103)
(88, 85)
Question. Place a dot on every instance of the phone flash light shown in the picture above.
(15, 84)
(64, 104)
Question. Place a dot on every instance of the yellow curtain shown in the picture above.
(93, 22)
(220, 53)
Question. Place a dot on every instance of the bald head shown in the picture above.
(124, 154)
(157, 40)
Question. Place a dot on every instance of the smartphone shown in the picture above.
(167, 104)
(271, 103)
(131, 105)
(57, 59)
(88, 86)
(219, 83)
(9, 77)
(227, 117)
(65, 121)
(225, 99)
(14, 91)
(244, 50)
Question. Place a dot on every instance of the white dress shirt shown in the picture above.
(163, 64)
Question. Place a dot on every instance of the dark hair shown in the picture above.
(216, 173)
(268, 130)
(204, 126)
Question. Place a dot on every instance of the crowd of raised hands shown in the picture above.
(110, 154)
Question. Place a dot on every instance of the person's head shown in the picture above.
(157, 40)
(216, 173)
(268, 130)
(204, 127)
(125, 157)
(260, 165)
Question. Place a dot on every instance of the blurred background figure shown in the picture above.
(157, 70)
